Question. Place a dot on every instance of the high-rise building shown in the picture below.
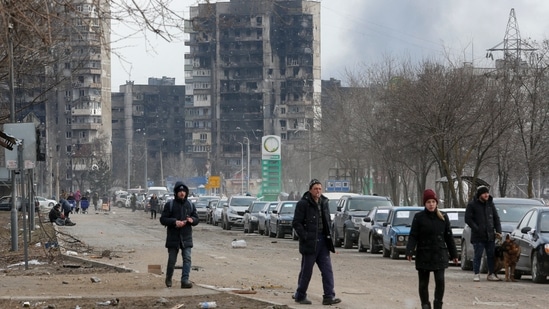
(78, 110)
(253, 69)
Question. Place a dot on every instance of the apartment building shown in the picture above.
(253, 69)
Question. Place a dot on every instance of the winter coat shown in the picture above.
(483, 219)
(54, 214)
(305, 223)
(432, 240)
(153, 203)
(174, 210)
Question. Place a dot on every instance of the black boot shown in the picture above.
(426, 306)
(169, 274)
(437, 304)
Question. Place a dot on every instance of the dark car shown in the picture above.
(370, 232)
(251, 221)
(280, 221)
(263, 218)
(6, 201)
(350, 212)
(201, 205)
(397, 230)
(532, 235)
(510, 211)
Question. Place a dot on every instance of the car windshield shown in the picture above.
(404, 217)
(220, 204)
(512, 212)
(332, 204)
(258, 206)
(457, 218)
(287, 208)
(381, 215)
(242, 201)
(366, 204)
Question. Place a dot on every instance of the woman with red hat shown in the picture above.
(432, 242)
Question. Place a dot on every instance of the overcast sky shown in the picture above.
(355, 32)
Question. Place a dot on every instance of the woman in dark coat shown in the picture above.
(433, 243)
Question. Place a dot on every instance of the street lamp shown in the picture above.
(241, 168)
(161, 166)
(248, 159)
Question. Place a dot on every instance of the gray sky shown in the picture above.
(357, 32)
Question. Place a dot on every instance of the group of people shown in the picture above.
(431, 241)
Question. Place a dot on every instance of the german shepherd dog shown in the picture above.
(506, 256)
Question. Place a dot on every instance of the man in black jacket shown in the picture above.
(483, 219)
(312, 224)
(179, 216)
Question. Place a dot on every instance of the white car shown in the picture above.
(45, 203)
(217, 212)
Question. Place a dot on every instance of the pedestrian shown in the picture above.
(67, 210)
(179, 216)
(312, 224)
(153, 205)
(71, 200)
(432, 242)
(56, 216)
(95, 199)
(483, 219)
(77, 198)
(133, 202)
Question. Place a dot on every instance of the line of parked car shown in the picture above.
(374, 224)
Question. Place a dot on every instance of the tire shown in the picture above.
(246, 230)
(261, 232)
(537, 275)
(337, 241)
(251, 229)
(372, 246)
(386, 252)
(223, 225)
(279, 233)
(466, 264)
(229, 227)
(215, 223)
(517, 275)
(267, 232)
(347, 242)
(394, 253)
(361, 248)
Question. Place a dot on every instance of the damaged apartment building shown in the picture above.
(253, 69)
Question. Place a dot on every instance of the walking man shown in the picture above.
(312, 224)
(481, 215)
(179, 216)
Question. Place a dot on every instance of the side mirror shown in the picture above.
(367, 219)
(274, 211)
(338, 208)
(525, 230)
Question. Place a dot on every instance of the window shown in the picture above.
(68, 134)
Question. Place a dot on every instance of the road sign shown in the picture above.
(214, 181)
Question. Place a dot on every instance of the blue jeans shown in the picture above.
(322, 259)
(172, 259)
(479, 248)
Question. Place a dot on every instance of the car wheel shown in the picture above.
(271, 234)
(50, 205)
(294, 235)
(372, 245)
(361, 248)
(267, 232)
(260, 231)
(347, 242)
(229, 226)
(537, 275)
(246, 230)
(337, 241)
(215, 223)
(517, 275)
(394, 253)
(251, 229)
(279, 233)
(466, 264)
(386, 252)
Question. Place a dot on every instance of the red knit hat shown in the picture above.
(428, 195)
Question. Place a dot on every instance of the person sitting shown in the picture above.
(56, 216)
(67, 209)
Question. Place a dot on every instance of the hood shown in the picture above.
(508, 227)
(360, 213)
(180, 186)
(401, 230)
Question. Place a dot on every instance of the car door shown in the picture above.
(339, 218)
(524, 240)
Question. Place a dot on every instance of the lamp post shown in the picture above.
(161, 166)
(241, 168)
(308, 128)
(248, 159)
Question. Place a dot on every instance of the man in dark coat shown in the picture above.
(55, 215)
(179, 216)
(67, 209)
(312, 224)
(483, 219)
(432, 242)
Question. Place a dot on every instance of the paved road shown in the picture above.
(270, 267)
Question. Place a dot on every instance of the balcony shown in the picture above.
(85, 112)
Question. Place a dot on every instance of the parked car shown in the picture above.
(233, 212)
(250, 219)
(280, 221)
(263, 218)
(510, 211)
(201, 205)
(120, 198)
(210, 210)
(397, 230)
(532, 235)
(45, 203)
(333, 199)
(5, 203)
(457, 223)
(218, 211)
(350, 212)
(370, 231)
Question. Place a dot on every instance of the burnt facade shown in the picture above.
(253, 70)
